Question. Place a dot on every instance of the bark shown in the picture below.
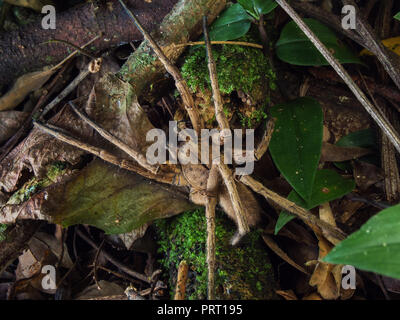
(22, 50)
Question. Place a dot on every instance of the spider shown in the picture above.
(208, 184)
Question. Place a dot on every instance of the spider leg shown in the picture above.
(114, 140)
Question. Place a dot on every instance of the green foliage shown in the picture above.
(232, 24)
(296, 142)
(296, 149)
(256, 117)
(238, 68)
(184, 238)
(397, 16)
(236, 20)
(328, 186)
(294, 47)
(375, 247)
(258, 7)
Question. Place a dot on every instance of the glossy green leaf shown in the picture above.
(375, 247)
(328, 186)
(294, 47)
(296, 142)
(258, 7)
(397, 16)
(264, 6)
(233, 23)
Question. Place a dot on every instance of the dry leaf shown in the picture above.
(23, 86)
(331, 152)
(287, 294)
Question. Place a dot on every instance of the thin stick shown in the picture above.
(237, 43)
(180, 83)
(379, 118)
(111, 259)
(114, 140)
(212, 195)
(333, 234)
(82, 75)
(104, 155)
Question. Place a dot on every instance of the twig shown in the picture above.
(238, 43)
(333, 234)
(381, 120)
(114, 140)
(181, 280)
(212, 195)
(180, 83)
(95, 263)
(106, 255)
(103, 154)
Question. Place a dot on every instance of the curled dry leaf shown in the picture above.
(23, 86)
(331, 152)
(38, 150)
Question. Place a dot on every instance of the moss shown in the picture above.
(239, 68)
(242, 272)
(34, 185)
(3, 228)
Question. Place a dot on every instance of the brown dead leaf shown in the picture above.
(10, 122)
(287, 294)
(331, 153)
(23, 86)
(39, 149)
(313, 296)
(106, 289)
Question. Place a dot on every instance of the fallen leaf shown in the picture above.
(331, 152)
(23, 86)
(33, 4)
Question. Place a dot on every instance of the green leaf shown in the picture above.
(233, 23)
(328, 186)
(397, 16)
(294, 47)
(375, 247)
(364, 139)
(296, 142)
(264, 6)
(258, 7)
(112, 199)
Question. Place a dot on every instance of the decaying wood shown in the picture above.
(22, 50)
(180, 83)
(183, 270)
